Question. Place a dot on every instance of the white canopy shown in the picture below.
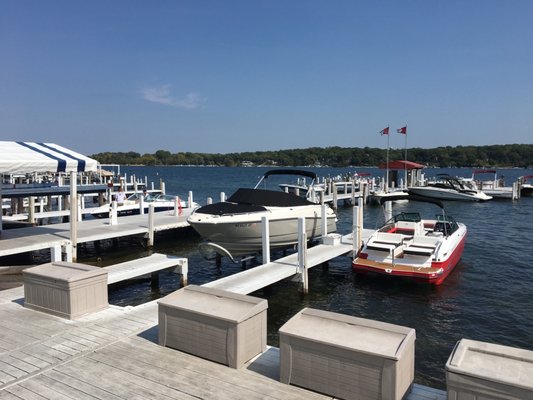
(29, 157)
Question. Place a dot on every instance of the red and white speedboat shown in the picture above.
(423, 250)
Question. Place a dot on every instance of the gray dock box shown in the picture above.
(214, 324)
(65, 289)
(347, 357)
(486, 371)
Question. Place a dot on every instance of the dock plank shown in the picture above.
(256, 278)
(131, 269)
(22, 393)
(80, 388)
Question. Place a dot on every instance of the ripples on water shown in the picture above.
(487, 297)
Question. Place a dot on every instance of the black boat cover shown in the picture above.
(246, 200)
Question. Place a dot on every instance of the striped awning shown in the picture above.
(29, 157)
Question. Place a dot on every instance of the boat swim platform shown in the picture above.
(21, 240)
(256, 278)
(113, 354)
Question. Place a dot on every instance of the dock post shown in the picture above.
(184, 271)
(516, 191)
(68, 252)
(209, 200)
(141, 205)
(74, 215)
(388, 210)
(222, 196)
(265, 236)
(162, 184)
(177, 206)
(334, 196)
(151, 223)
(113, 220)
(80, 204)
(190, 199)
(302, 255)
(324, 220)
(154, 283)
(55, 253)
(31, 210)
(357, 226)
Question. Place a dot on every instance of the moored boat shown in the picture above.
(234, 226)
(422, 250)
(132, 205)
(526, 187)
(447, 187)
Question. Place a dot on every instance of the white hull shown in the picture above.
(448, 194)
(241, 234)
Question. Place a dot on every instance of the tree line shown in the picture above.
(508, 155)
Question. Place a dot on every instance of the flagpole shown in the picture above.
(405, 166)
(387, 178)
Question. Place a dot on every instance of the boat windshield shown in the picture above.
(445, 224)
(408, 217)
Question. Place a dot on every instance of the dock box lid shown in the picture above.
(65, 271)
(493, 362)
(352, 333)
(218, 303)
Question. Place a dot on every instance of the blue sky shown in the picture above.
(233, 76)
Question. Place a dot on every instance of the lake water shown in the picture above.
(488, 296)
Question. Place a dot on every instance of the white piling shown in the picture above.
(190, 199)
(265, 238)
(55, 253)
(31, 210)
(141, 205)
(151, 224)
(176, 206)
(222, 196)
(357, 227)
(302, 254)
(79, 206)
(183, 267)
(209, 200)
(163, 190)
(68, 253)
(324, 220)
(113, 220)
(74, 215)
(388, 210)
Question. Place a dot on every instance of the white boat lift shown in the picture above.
(332, 246)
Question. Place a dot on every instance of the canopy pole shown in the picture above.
(74, 214)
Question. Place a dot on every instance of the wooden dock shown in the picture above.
(146, 265)
(20, 240)
(256, 278)
(113, 354)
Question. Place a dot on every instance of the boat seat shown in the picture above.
(394, 239)
(415, 250)
(426, 241)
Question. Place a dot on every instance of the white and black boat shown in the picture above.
(234, 227)
(447, 187)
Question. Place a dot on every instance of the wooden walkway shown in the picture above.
(256, 278)
(20, 240)
(141, 266)
(113, 355)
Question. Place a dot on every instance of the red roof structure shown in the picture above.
(402, 164)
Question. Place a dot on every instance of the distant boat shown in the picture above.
(492, 187)
(422, 250)
(132, 205)
(527, 187)
(447, 187)
(233, 227)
